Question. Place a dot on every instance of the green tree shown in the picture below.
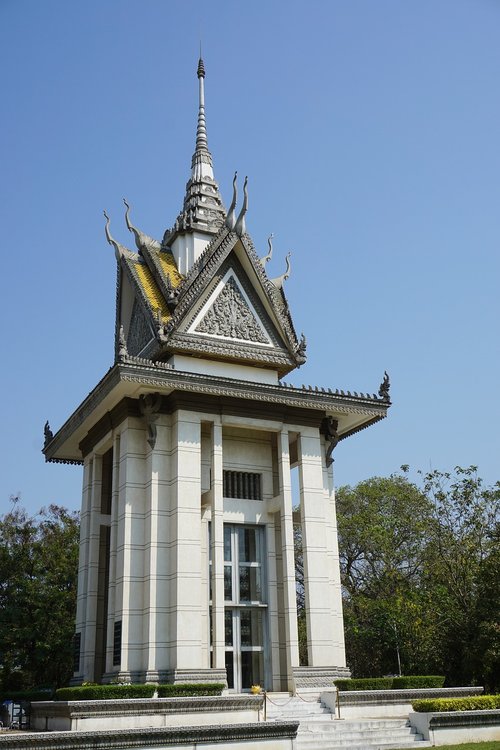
(420, 571)
(38, 578)
(461, 559)
(383, 525)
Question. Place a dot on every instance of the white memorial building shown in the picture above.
(187, 443)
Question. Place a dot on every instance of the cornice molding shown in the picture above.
(161, 377)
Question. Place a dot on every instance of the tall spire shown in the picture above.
(201, 155)
(203, 209)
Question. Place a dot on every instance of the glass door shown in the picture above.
(245, 608)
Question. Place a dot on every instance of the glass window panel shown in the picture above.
(247, 545)
(228, 626)
(251, 627)
(250, 584)
(251, 668)
(230, 669)
(228, 582)
(244, 583)
(227, 544)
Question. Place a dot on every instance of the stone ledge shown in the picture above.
(455, 727)
(464, 718)
(150, 738)
(127, 706)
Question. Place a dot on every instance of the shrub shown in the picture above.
(104, 692)
(468, 703)
(190, 689)
(417, 682)
(109, 692)
(365, 683)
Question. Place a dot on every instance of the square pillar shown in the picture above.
(186, 603)
(314, 518)
(288, 557)
(217, 551)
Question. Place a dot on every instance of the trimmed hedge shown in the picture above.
(104, 692)
(365, 683)
(468, 703)
(110, 692)
(190, 689)
(411, 682)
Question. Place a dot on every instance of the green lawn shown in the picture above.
(494, 745)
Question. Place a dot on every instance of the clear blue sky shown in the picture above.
(370, 135)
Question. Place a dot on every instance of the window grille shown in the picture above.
(117, 644)
(243, 485)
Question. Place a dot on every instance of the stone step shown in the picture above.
(320, 740)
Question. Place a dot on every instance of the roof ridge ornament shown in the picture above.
(141, 240)
(231, 216)
(240, 226)
(268, 257)
(280, 280)
(384, 388)
(120, 250)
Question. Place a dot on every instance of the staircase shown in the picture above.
(319, 730)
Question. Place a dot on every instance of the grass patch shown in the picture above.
(492, 745)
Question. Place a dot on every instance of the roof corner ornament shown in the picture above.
(149, 406)
(47, 434)
(231, 216)
(131, 227)
(280, 280)
(329, 428)
(122, 345)
(172, 298)
(384, 388)
(300, 350)
(268, 257)
(240, 226)
(119, 249)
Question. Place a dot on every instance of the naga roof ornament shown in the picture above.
(120, 250)
(240, 226)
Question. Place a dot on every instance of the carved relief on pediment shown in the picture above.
(231, 317)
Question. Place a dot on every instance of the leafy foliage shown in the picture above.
(417, 682)
(365, 683)
(104, 692)
(411, 682)
(108, 692)
(420, 568)
(469, 703)
(38, 578)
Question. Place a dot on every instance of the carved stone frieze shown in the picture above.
(231, 317)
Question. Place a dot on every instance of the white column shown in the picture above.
(92, 569)
(81, 604)
(156, 552)
(339, 659)
(217, 542)
(112, 553)
(288, 557)
(186, 541)
(314, 541)
(130, 544)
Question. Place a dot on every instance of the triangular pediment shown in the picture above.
(230, 314)
(228, 309)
